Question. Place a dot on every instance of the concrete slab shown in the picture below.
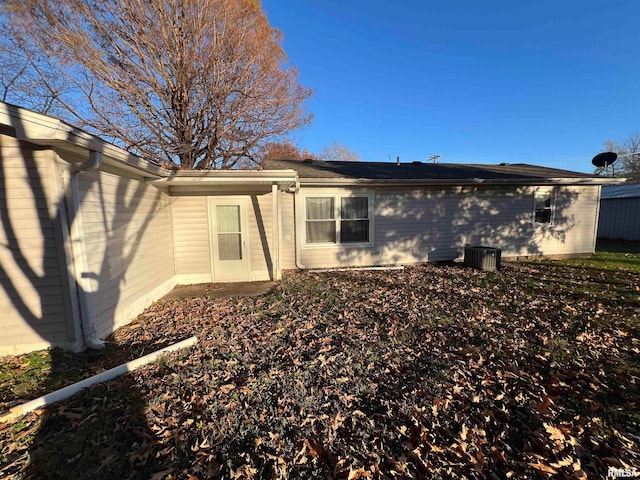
(221, 290)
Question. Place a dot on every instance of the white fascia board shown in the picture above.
(27, 124)
(48, 131)
(227, 177)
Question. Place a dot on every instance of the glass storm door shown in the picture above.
(229, 231)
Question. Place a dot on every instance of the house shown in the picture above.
(620, 212)
(91, 234)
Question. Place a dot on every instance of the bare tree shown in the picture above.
(19, 78)
(200, 84)
(629, 164)
(338, 151)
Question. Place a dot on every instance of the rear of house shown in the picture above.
(91, 234)
(359, 214)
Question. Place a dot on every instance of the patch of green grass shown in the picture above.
(27, 376)
(23, 374)
(612, 255)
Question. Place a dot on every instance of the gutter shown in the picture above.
(48, 131)
(227, 177)
(336, 182)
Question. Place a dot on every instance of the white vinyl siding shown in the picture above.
(129, 246)
(193, 245)
(34, 299)
(191, 237)
(415, 225)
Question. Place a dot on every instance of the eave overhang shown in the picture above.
(47, 131)
(216, 178)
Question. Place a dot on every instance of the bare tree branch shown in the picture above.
(339, 152)
(629, 162)
(198, 84)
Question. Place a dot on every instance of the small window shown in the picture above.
(543, 210)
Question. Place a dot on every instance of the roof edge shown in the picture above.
(44, 130)
(325, 182)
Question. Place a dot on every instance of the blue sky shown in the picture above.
(542, 82)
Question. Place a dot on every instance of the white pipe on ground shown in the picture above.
(66, 392)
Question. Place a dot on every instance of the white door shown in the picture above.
(229, 234)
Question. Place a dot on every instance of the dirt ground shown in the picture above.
(221, 290)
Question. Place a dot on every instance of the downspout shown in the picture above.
(297, 212)
(275, 231)
(78, 343)
(80, 262)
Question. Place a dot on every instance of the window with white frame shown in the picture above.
(544, 204)
(338, 219)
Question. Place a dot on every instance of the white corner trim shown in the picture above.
(78, 343)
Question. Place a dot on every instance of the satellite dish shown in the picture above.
(604, 159)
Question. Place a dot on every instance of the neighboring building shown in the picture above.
(620, 212)
(91, 235)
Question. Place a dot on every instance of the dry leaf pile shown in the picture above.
(431, 372)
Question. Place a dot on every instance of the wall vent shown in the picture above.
(484, 258)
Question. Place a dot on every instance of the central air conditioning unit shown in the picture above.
(484, 258)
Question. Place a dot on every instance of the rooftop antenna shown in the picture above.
(434, 158)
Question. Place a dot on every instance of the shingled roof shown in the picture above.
(430, 173)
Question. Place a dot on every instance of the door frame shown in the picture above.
(212, 202)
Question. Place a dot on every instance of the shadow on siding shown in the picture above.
(32, 278)
(496, 217)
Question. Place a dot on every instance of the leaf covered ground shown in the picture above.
(429, 372)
